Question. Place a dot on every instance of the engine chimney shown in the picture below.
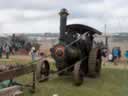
(63, 21)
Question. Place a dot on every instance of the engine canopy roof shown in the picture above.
(81, 29)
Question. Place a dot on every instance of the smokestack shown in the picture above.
(63, 21)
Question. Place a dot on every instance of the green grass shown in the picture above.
(113, 82)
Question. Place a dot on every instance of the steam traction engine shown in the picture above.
(77, 51)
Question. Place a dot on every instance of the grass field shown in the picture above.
(113, 82)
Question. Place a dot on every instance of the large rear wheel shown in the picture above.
(78, 74)
(98, 62)
(94, 63)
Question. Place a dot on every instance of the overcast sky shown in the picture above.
(39, 16)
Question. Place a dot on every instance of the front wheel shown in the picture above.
(42, 71)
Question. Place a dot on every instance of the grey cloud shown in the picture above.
(95, 13)
(43, 4)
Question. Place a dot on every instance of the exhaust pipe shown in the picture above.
(63, 21)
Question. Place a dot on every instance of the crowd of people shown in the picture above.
(114, 56)
(7, 50)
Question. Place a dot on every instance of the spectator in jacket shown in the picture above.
(116, 55)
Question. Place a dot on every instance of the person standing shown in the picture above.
(126, 56)
(119, 52)
(104, 55)
(115, 53)
(1, 51)
(110, 57)
(7, 51)
(33, 53)
(119, 56)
